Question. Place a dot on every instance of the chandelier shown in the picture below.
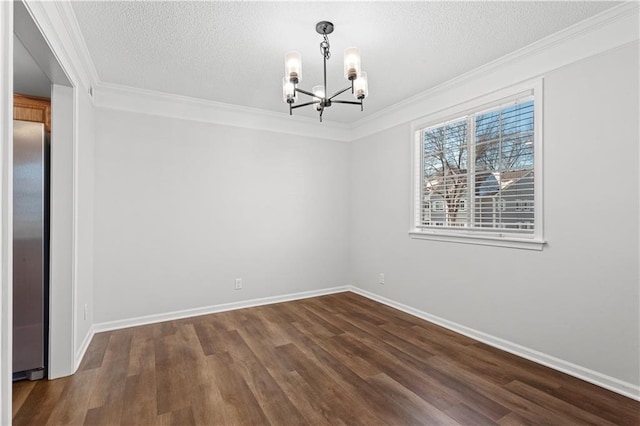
(352, 72)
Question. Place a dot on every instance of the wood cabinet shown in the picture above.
(32, 108)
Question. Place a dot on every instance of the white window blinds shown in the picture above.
(477, 172)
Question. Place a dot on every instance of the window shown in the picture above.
(477, 174)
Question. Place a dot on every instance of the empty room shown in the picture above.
(320, 213)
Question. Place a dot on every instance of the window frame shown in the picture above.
(470, 235)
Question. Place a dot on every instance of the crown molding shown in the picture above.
(58, 22)
(124, 98)
(68, 19)
(605, 31)
(610, 29)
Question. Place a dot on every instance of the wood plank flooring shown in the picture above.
(340, 359)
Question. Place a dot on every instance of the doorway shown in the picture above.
(38, 27)
(38, 73)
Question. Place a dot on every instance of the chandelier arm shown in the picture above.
(347, 102)
(306, 93)
(340, 92)
(305, 104)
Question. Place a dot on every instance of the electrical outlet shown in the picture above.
(381, 279)
(238, 283)
(86, 311)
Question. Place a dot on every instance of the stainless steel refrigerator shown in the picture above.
(30, 257)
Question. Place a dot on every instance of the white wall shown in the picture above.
(182, 208)
(576, 300)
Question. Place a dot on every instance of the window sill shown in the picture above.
(486, 240)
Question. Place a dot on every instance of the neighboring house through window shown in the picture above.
(477, 171)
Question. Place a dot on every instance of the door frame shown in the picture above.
(62, 315)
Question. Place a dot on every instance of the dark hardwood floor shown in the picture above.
(337, 359)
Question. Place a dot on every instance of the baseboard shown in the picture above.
(187, 313)
(83, 349)
(611, 383)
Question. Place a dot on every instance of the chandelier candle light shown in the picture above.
(352, 72)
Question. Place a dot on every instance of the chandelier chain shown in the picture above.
(324, 47)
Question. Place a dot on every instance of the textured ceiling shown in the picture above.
(233, 52)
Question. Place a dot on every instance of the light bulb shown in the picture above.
(319, 92)
(293, 67)
(352, 63)
(361, 86)
(289, 94)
